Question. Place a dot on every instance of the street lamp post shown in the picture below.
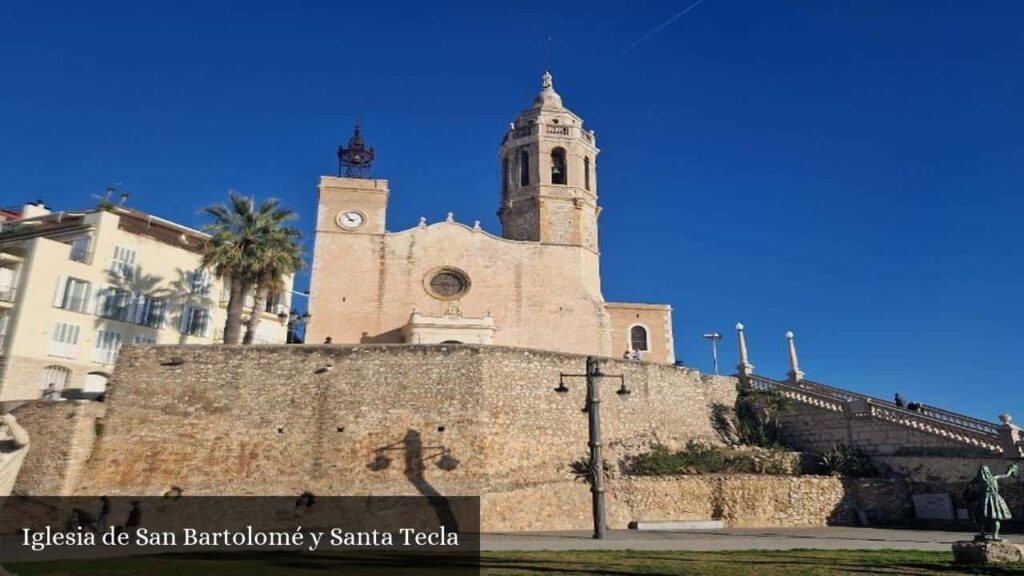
(593, 410)
(714, 337)
(294, 320)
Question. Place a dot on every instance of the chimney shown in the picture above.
(34, 209)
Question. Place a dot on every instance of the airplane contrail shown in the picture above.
(660, 27)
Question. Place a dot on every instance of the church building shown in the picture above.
(537, 285)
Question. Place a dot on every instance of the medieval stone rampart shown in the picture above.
(375, 419)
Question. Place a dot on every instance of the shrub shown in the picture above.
(757, 416)
(843, 460)
(583, 471)
(701, 458)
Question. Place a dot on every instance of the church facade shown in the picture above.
(537, 285)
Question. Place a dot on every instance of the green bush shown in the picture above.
(701, 458)
(757, 416)
(843, 460)
(583, 471)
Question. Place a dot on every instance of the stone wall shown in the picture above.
(815, 429)
(380, 419)
(375, 419)
(62, 435)
(739, 500)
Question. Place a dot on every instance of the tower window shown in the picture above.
(558, 168)
(524, 168)
(586, 172)
(638, 338)
(504, 175)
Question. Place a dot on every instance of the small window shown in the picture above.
(80, 249)
(586, 172)
(558, 167)
(55, 378)
(123, 264)
(76, 295)
(114, 304)
(194, 321)
(275, 304)
(524, 168)
(144, 340)
(638, 338)
(199, 282)
(108, 344)
(150, 311)
(504, 175)
(64, 342)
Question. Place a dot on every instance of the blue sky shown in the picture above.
(851, 171)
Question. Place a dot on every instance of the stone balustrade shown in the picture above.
(948, 425)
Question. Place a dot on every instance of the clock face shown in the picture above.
(351, 219)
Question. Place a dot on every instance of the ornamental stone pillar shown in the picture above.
(745, 368)
(795, 374)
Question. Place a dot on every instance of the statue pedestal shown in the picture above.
(987, 552)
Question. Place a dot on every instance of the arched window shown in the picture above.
(586, 172)
(558, 167)
(524, 168)
(638, 338)
(504, 175)
(55, 378)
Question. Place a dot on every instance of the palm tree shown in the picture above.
(241, 237)
(282, 256)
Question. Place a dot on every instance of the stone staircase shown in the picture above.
(965, 430)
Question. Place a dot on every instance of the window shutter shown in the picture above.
(183, 322)
(62, 285)
(207, 325)
(133, 306)
(89, 306)
(101, 300)
(130, 265)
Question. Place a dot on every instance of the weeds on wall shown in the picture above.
(583, 471)
(843, 460)
(753, 420)
(701, 458)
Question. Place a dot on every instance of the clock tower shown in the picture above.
(353, 204)
(548, 164)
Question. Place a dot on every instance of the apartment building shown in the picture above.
(76, 286)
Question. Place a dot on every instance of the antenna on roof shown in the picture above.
(106, 201)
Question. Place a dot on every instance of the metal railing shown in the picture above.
(926, 419)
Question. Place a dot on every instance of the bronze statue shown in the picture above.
(985, 503)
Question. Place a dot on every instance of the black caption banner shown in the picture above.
(272, 535)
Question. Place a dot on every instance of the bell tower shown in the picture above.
(549, 175)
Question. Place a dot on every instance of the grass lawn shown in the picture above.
(627, 562)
